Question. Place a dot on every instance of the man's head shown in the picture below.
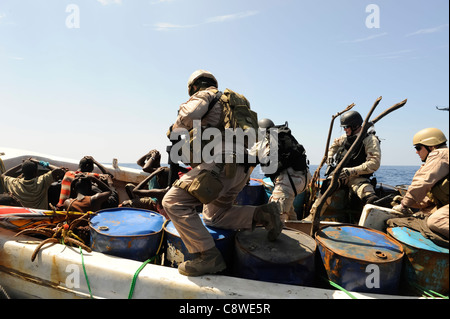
(86, 165)
(427, 140)
(29, 169)
(200, 79)
(351, 121)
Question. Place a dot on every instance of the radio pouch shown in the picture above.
(206, 186)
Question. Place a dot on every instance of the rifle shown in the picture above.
(314, 184)
(317, 212)
(173, 167)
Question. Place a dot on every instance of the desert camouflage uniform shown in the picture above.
(434, 170)
(360, 185)
(283, 193)
(180, 205)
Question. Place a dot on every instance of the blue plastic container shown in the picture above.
(426, 264)
(288, 260)
(253, 194)
(361, 259)
(176, 251)
(127, 232)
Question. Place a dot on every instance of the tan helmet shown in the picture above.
(429, 137)
(196, 75)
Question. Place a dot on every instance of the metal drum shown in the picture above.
(426, 264)
(288, 260)
(176, 251)
(361, 259)
(253, 194)
(127, 232)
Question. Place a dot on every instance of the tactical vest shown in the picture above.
(359, 156)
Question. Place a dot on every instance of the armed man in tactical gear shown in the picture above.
(429, 189)
(292, 174)
(188, 192)
(364, 161)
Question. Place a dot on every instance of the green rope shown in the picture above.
(427, 292)
(85, 273)
(342, 289)
(136, 274)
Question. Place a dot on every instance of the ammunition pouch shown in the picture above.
(206, 186)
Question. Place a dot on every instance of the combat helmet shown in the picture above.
(197, 75)
(429, 137)
(265, 123)
(352, 119)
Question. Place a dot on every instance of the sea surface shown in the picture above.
(389, 175)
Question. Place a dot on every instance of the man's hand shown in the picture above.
(346, 173)
(403, 209)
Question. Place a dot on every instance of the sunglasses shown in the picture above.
(418, 147)
(346, 126)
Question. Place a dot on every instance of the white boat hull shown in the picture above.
(57, 273)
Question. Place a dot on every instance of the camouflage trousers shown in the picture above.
(283, 192)
(180, 206)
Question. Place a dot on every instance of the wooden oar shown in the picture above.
(314, 185)
(317, 211)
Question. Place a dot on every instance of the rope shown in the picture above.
(136, 274)
(133, 282)
(4, 292)
(85, 273)
(335, 285)
(427, 292)
(348, 293)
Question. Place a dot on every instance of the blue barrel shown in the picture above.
(176, 251)
(287, 260)
(253, 194)
(361, 259)
(126, 232)
(426, 265)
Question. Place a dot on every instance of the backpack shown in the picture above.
(290, 152)
(237, 112)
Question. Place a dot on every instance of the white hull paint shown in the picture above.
(57, 272)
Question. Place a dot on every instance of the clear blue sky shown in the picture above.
(106, 78)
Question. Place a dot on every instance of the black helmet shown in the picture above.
(265, 123)
(352, 119)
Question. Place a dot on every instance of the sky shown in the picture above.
(106, 77)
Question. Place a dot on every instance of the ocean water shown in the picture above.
(390, 175)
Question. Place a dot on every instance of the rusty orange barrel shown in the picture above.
(426, 265)
(361, 259)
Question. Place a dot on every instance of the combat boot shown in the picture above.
(207, 262)
(268, 215)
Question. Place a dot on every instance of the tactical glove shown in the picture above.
(346, 173)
